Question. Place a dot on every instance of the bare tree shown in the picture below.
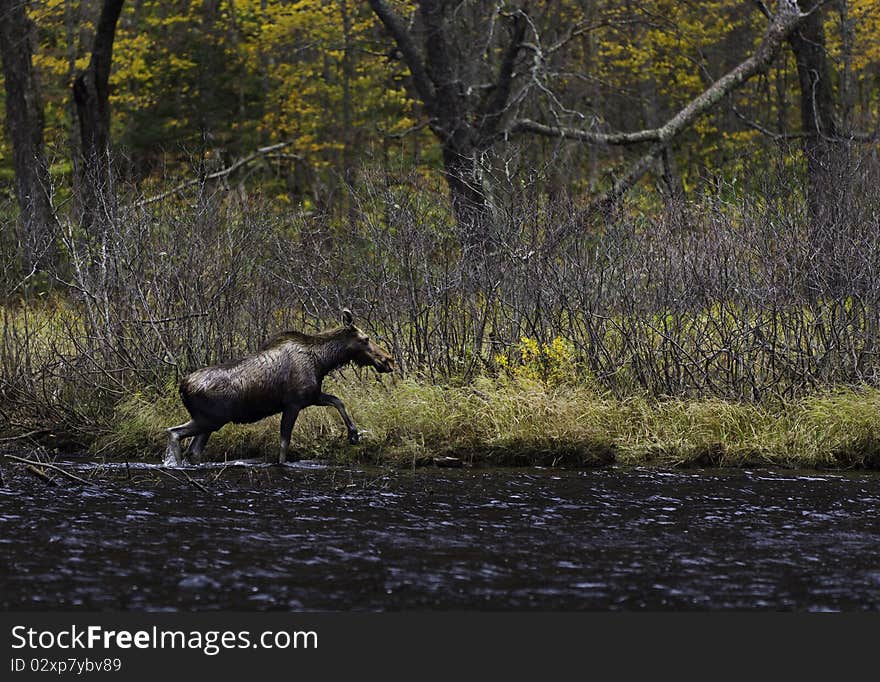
(24, 123)
(91, 93)
(465, 113)
(469, 118)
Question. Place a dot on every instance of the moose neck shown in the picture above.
(330, 355)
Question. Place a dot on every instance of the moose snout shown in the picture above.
(385, 365)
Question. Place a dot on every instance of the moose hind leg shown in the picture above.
(193, 453)
(329, 400)
(288, 419)
(175, 433)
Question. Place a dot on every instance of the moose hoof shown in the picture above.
(354, 437)
(171, 459)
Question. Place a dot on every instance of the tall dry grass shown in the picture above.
(521, 422)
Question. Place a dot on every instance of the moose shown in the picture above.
(284, 376)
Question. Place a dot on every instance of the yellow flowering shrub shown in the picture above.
(553, 363)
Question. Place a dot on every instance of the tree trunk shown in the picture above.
(818, 116)
(349, 174)
(470, 206)
(450, 110)
(824, 151)
(467, 121)
(24, 123)
(91, 92)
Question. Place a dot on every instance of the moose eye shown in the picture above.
(365, 340)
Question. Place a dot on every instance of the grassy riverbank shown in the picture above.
(652, 338)
(543, 407)
(518, 422)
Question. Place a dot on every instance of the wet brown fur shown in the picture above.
(284, 376)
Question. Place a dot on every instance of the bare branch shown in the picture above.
(497, 103)
(761, 5)
(528, 126)
(754, 125)
(24, 436)
(395, 26)
(250, 158)
(787, 18)
(67, 474)
(782, 24)
(403, 133)
(861, 136)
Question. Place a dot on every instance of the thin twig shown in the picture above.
(189, 479)
(61, 471)
(29, 434)
(175, 318)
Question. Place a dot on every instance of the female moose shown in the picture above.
(284, 376)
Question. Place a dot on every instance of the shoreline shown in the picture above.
(511, 423)
(583, 461)
(71, 469)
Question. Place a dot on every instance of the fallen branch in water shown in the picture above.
(189, 479)
(198, 485)
(169, 475)
(34, 471)
(220, 473)
(61, 471)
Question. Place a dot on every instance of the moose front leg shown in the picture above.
(332, 401)
(288, 419)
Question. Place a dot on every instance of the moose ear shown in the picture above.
(347, 317)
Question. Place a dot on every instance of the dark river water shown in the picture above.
(309, 538)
